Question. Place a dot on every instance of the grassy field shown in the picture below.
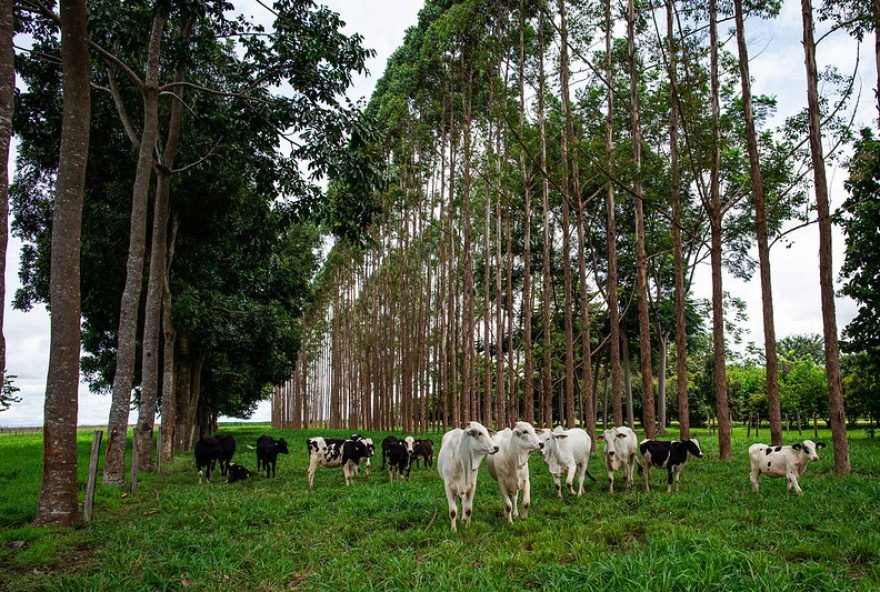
(273, 534)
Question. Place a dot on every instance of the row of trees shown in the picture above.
(186, 203)
(548, 205)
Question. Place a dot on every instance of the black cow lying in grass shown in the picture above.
(208, 451)
(227, 451)
(237, 473)
(268, 449)
(673, 456)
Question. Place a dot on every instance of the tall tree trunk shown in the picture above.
(613, 306)
(182, 388)
(720, 370)
(467, 335)
(876, 15)
(661, 381)
(487, 249)
(547, 386)
(641, 255)
(528, 387)
(58, 491)
(772, 360)
(128, 311)
(566, 224)
(826, 268)
(684, 421)
(7, 104)
(169, 388)
(627, 383)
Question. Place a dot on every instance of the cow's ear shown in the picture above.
(491, 431)
(621, 435)
(820, 445)
(540, 431)
(797, 446)
(473, 433)
(417, 441)
(518, 433)
(560, 435)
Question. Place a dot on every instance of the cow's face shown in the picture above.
(408, 443)
(526, 437)
(693, 447)
(281, 446)
(481, 442)
(614, 448)
(809, 449)
(371, 448)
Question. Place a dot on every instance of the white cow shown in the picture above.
(567, 451)
(461, 452)
(782, 461)
(510, 466)
(620, 452)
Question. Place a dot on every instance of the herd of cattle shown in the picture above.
(462, 450)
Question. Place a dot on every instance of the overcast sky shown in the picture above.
(776, 66)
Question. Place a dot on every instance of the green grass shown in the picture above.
(273, 534)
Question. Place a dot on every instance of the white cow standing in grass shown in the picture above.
(620, 453)
(510, 466)
(782, 461)
(461, 452)
(567, 451)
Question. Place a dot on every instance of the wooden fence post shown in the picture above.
(134, 468)
(93, 475)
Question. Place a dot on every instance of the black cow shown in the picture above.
(671, 455)
(208, 451)
(398, 456)
(237, 473)
(227, 445)
(268, 449)
(335, 452)
(424, 450)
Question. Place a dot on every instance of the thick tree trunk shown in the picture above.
(546, 369)
(761, 231)
(566, 223)
(57, 503)
(720, 370)
(684, 422)
(641, 255)
(613, 306)
(128, 312)
(826, 267)
(7, 104)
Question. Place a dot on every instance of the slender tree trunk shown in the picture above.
(826, 267)
(169, 389)
(684, 422)
(876, 15)
(641, 255)
(527, 301)
(566, 224)
(7, 104)
(57, 503)
(613, 306)
(761, 232)
(487, 249)
(661, 381)
(128, 312)
(547, 388)
(627, 383)
(720, 371)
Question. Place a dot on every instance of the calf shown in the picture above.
(671, 455)
(227, 446)
(207, 450)
(620, 453)
(407, 442)
(782, 461)
(268, 450)
(567, 451)
(461, 452)
(424, 450)
(398, 457)
(237, 473)
(335, 452)
(510, 466)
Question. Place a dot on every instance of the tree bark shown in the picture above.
(772, 360)
(641, 255)
(546, 398)
(7, 105)
(661, 382)
(826, 268)
(527, 302)
(627, 383)
(720, 371)
(169, 392)
(128, 312)
(57, 503)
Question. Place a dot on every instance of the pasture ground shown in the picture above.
(273, 534)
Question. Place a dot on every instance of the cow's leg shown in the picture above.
(557, 479)
(516, 504)
(200, 476)
(646, 475)
(467, 504)
(581, 471)
(451, 503)
(313, 466)
(508, 503)
(390, 475)
(527, 497)
(630, 470)
(793, 482)
(367, 468)
(569, 479)
(678, 469)
(753, 477)
(670, 470)
(610, 480)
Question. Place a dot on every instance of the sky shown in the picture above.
(777, 68)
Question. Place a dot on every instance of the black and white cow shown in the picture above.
(782, 461)
(208, 451)
(397, 456)
(335, 452)
(268, 449)
(227, 445)
(672, 456)
(237, 473)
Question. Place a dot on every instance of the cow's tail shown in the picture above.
(639, 466)
(249, 447)
(593, 479)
